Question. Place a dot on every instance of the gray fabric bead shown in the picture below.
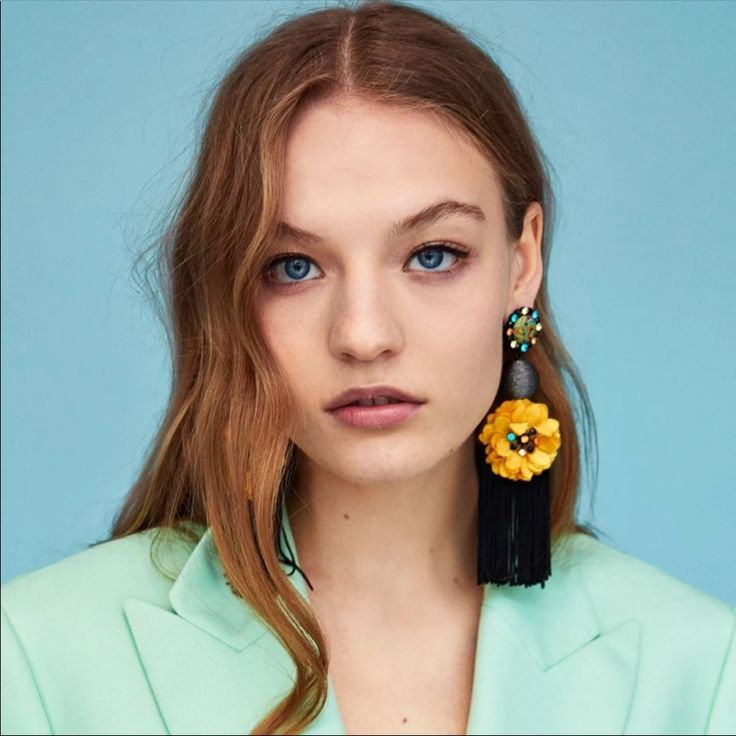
(520, 379)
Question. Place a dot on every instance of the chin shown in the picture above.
(377, 468)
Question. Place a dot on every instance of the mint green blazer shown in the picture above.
(101, 643)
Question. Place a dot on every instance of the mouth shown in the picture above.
(378, 413)
(378, 401)
(372, 396)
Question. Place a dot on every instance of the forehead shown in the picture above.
(359, 164)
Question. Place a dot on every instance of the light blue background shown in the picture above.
(633, 102)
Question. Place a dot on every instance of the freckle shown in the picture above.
(346, 516)
(455, 580)
(431, 549)
(404, 720)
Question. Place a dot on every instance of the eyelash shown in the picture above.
(461, 255)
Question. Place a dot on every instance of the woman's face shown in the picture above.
(361, 307)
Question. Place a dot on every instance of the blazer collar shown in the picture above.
(543, 663)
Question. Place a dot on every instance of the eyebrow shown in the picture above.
(428, 216)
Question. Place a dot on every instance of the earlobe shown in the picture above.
(527, 266)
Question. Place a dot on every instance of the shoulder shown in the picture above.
(687, 637)
(622, 586)
(65, 635)
(97, 577)
(80, 597)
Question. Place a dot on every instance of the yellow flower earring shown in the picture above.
(519, 441)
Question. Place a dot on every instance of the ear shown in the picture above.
(527, 266)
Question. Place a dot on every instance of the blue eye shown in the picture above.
(433, 255)
(296, 266)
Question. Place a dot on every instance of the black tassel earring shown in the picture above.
(519, 441)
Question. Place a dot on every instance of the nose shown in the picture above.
(365, 323)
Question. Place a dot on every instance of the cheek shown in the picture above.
(287, 339)
(470, 360)
(471, 316)
(469, 353)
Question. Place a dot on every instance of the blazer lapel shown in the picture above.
(211, 664)
(542, 664)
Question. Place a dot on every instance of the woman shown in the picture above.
(369, 221)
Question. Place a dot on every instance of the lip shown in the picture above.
(375, 417)
(370, 392)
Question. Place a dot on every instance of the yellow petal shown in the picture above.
(501, 423)
(537, 414)
(518, 427)
(519, 411)
(523, 471)
(533, 465)
(547, 444)
(513, 461)
(548, 427)
(502, 448)
(541, 459)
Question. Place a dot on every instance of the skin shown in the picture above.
(385, 520)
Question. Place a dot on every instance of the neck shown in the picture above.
(417, 536)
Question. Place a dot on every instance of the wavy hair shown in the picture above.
(222, 457)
